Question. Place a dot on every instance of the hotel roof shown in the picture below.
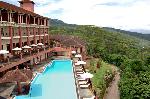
(18, 9)
(26, 1)
(69, 40)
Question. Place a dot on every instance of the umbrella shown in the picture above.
(73, 52)
(4, 52)
(33, 45)
(26, 47)
(78, 55)
(17, 49)
(86, 75)
(40, 44)
(15, 76)
(28, 73)
(81, 62)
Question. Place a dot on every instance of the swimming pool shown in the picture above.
(56, 82)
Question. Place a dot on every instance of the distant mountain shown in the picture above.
(56, 22)
(140, 31)
(136, 34)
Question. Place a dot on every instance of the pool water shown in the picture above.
(56, 82)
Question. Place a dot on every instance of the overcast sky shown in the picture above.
(124, 14)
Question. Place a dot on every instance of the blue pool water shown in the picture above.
(56, 82)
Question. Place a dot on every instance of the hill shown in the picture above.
(56, 22)
(129, 53)
(136, 34)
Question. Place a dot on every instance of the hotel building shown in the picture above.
(19, 27)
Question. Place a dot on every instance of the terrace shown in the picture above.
(20, 56)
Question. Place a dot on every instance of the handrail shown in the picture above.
(24, 60)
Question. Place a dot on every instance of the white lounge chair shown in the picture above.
(84, 86)
(81, 79)
(79, 68)
(89, 97)
(83, 82)
(79, 72)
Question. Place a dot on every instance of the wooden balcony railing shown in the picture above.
(17, 60)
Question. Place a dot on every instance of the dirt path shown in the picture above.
(112, 91)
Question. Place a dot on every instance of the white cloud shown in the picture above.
(125, 14)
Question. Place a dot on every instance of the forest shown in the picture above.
(129, 53)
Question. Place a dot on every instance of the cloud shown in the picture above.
(124, 14)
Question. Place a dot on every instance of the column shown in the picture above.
(11, 38)
(0, 31)
(39, 30)
(18, 18)
(22, 18)
(20, 34)
(0, 16)
(11, 17)
(34, 35)
(8, 15)
(44, 36)
(48, 37)
(28, 38)
(26, 19)
(34, 20)
(0, 39)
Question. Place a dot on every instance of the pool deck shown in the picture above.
(82, 92)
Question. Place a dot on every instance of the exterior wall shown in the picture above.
(27, 6)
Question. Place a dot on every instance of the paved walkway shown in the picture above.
(112, 91)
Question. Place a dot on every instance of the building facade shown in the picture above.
(19, 27)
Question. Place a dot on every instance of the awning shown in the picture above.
(33, 45)
(17, 49)
(26, 47)
(4, 52)
(40, 44)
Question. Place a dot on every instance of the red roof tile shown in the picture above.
(17, 9)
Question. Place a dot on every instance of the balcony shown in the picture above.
(22, 57)
(6, 23)
(46, 34)
(16, 37)
(31, 36)
(5, 38)
(41, 35)
(24, 36)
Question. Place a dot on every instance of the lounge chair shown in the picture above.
(84, 86)
(79, 72)
(83, 82)
(79, 68)
(89, 97)
(81, 79)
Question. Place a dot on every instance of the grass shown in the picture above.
(100, 80)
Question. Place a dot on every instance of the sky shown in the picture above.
(121, 14)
